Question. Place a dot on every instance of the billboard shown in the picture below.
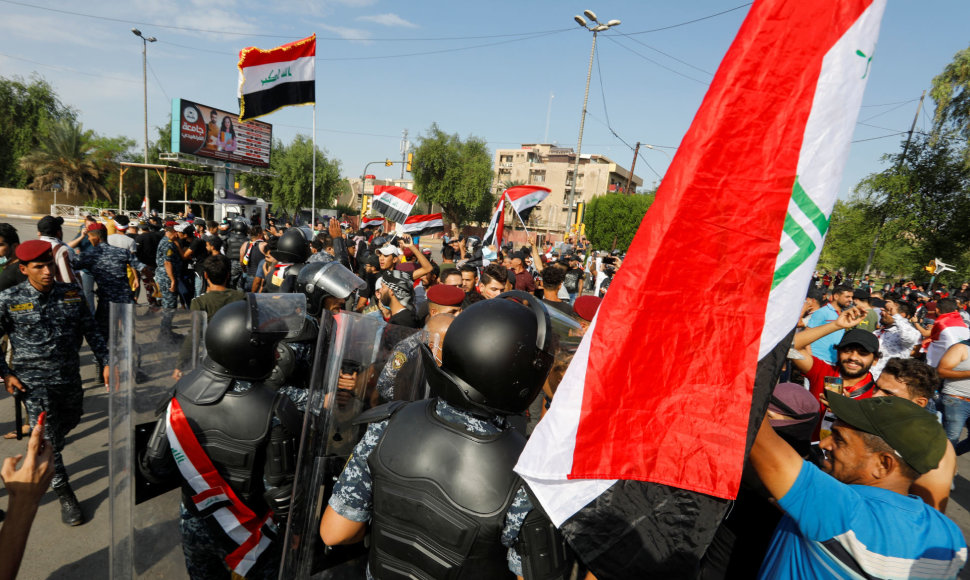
(217, 134)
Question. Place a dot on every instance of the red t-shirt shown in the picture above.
(816, 384)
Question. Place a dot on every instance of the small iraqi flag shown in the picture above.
(276, 78)
(423, 225)
(645, 441)
(493, 235)
(523, 198)
(371, 221)
(393, 202)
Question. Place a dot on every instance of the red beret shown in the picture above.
(406, 267)
(585, 307)
(169, 224)
(97, 226)
(446, 295)
(34, 251)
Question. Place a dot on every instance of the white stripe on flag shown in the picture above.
(394, 202)
(253, 79)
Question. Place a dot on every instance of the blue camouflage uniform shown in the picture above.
(109, 266)
(353, 493)
(391, 384)
(45, 333)
(167, 252)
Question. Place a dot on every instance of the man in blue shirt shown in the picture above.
(854, 517)
(824, 348)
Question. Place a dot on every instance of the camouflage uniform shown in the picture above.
(167, 252)
(353, 493)
(321, 256)
(45, 333)
(406, 354)
(109, 266)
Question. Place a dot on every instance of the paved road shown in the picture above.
(56, 551)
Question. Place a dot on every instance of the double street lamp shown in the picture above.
(595, 26)
(144, 78)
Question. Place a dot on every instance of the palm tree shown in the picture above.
(66, 155)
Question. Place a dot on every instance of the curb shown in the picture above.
(36, 217)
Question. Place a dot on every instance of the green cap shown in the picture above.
(912, 431)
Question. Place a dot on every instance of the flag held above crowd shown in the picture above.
(493, 234)
(393, 202)
(371, 221)
(524, 198)
(423, 225)
(276, 78)
(651, 396)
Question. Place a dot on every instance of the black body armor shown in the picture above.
(440, 498)
(236, 242)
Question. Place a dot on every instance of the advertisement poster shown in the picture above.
(217, 134)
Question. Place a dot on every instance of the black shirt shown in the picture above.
(146, 245)
(563, 307)
(199, 253)
(404, 318)
(11, 275)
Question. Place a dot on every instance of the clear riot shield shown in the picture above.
(145, 539)
(349, 361)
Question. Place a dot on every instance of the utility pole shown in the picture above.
(882, 221)
(405, 146)
(633, 166)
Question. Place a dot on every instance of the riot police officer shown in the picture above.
(434, 478)
(230, 440)
(291, 253)
(237, 238)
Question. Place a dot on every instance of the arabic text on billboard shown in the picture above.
(217, 134)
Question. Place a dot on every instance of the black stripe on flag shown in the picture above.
(389, 212)
(282, 95)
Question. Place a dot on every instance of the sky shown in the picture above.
(507, 72)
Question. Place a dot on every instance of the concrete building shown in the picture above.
(552, 167)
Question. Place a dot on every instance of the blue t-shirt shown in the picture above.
(824, 348)
(833, 529)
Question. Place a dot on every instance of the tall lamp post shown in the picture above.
(594, 26)
(144, 78)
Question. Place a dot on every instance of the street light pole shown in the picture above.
(600, 27)
(144, 78)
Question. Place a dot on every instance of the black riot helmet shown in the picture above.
(240, 339)
(495, 356)
(318, 280)
(293, 247)
(240, 227)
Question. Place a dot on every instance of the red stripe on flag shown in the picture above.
(669, 383)
(252, 56)
(399, 192)
(422, 218)
(519, 191)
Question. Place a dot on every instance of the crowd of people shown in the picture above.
(849, 474)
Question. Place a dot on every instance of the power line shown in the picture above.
(68, 69)
(694, 20)
(648, 59)
(670, 56)
(161, 87)
(871, 117)
(883, 137)
(888, 104)
(281, 36)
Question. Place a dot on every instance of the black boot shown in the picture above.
(70, 508)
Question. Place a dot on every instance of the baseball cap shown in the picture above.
(446, 295)
(34, 251)
(860, 294)
(371, 259)
(390, 250)
(48, 225)
(912, 431)
(863, 338)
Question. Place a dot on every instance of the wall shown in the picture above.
(30, 202)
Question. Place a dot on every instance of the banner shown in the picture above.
(744, 207)
(276, 78)
(423, 225)
(217, 134)
(393, 202)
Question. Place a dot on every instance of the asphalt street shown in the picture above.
(56, 551)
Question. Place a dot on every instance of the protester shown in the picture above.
(948, 329)
(824, 348)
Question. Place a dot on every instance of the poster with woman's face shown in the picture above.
(208, 132)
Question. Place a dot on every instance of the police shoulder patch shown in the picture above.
(168, 253)
(71, 294)
(398, 361)
(22, 307)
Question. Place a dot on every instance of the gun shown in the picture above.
(18, 413)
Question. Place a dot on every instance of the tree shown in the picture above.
(26, 111)
(852, 228)
(951, 91)
(614, 219)
(455, 174)
(292, 165)
(197, 187)
(67, 155)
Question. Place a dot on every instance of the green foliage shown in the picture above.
(67, 155)
(454, 174)
(615, 218)
(199, 186)
(290, 187)
(27, 109)
(951, 91)
(852, 229)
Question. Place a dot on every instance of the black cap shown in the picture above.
(860, 294)
(863, 338)
(49, 225)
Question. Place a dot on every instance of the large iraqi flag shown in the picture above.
(524, 198)
(276, 78)
(393, 202)
(660, 390)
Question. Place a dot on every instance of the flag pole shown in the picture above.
(313, 184)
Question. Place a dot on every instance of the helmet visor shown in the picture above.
(277, 316)
(336, 280)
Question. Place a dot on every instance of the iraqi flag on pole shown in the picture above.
(423, 225)
(276, 78)
(655, 411)
(371, 221)
(393, 202)
(493, 235)
(523, 198)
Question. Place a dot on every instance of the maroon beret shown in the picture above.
(406, 267)
(34, 251)
(585, 307)
(446, 295)
(97, 226)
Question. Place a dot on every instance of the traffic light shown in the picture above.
(388, 163)
(365, 205)
(931, 267)
(410, 161)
